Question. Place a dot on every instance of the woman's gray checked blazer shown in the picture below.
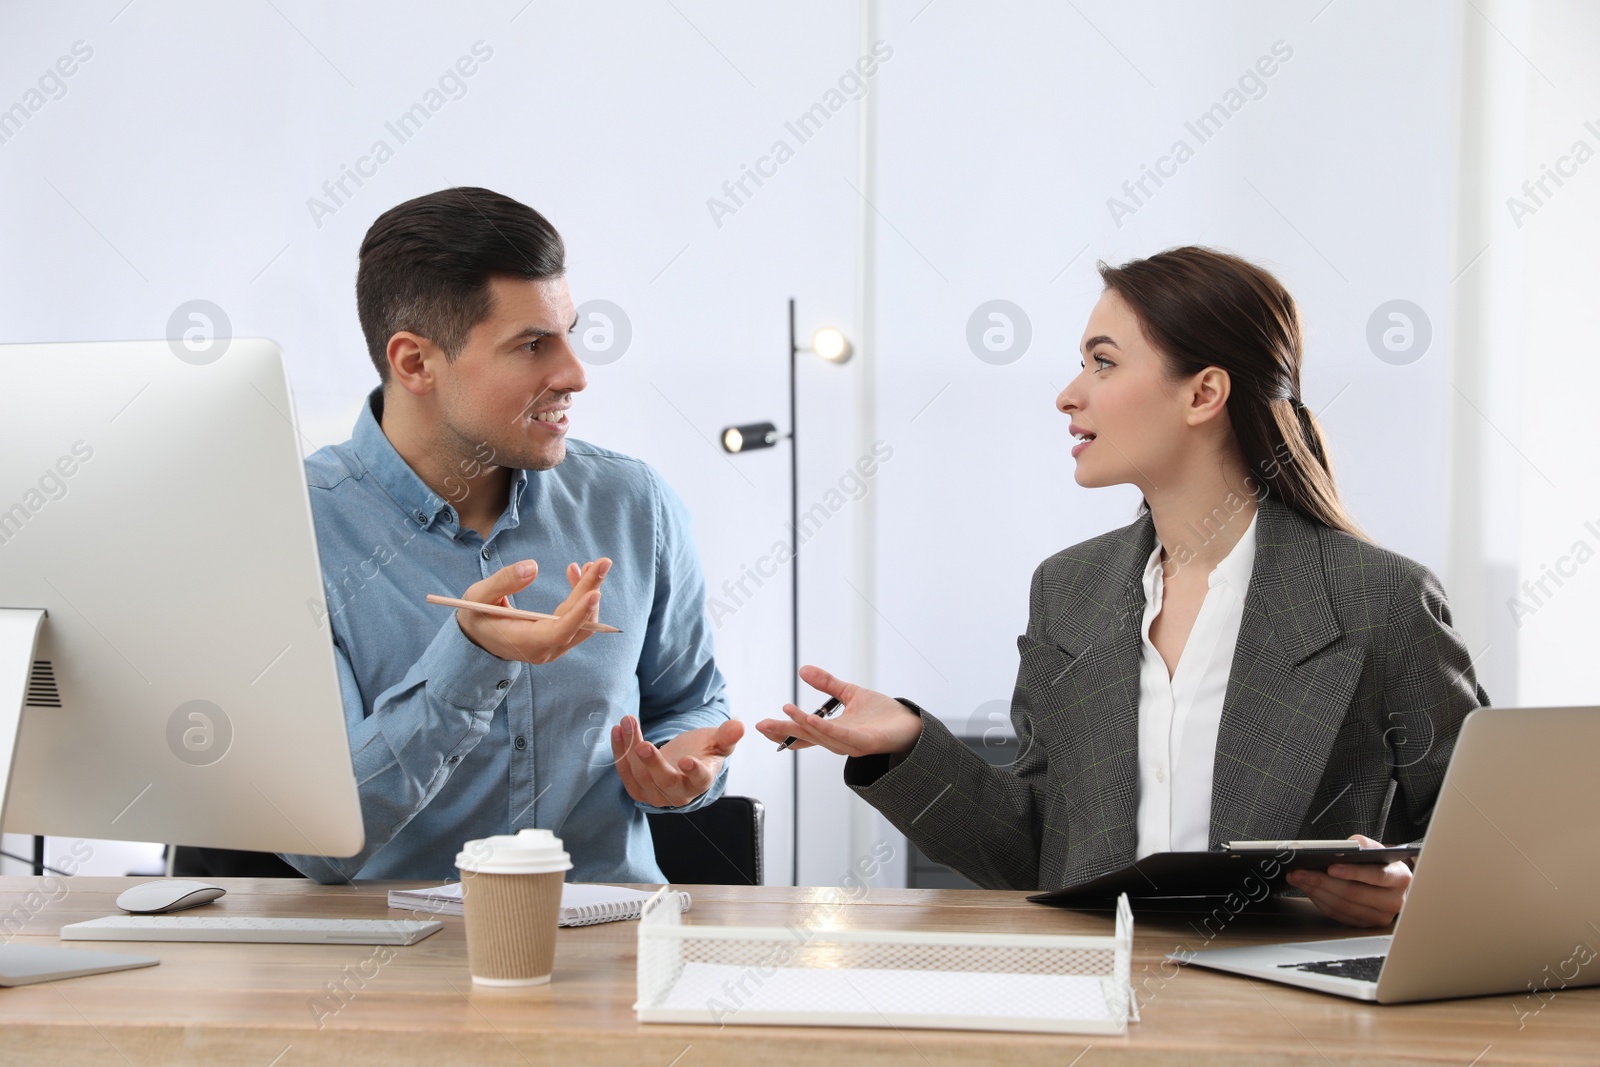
(1346, 693)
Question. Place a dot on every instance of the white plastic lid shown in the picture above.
(526, 852)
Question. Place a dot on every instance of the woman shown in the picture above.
(1239, 663)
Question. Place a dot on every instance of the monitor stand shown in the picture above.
(23, 964)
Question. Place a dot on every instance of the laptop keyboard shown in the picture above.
(1362, 969)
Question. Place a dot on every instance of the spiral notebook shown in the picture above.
(582, 904)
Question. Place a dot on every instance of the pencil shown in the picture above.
(513, 613)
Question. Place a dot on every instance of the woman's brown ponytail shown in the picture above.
(1202, 308)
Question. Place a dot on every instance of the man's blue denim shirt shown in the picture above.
(451, 743)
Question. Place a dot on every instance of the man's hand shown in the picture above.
(528, 640)
(870, 723)
(1356, 894)
(678, 771)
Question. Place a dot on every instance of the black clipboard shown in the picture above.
(1246, 873)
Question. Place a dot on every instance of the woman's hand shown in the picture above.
(1357, 894)
(870, 724)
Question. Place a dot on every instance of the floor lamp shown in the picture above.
(831, 345)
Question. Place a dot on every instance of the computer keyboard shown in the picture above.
(248, 928)
(1362, 968)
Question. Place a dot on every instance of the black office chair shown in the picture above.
(190, 862)
(720, 844)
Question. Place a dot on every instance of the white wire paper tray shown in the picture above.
(803, 976)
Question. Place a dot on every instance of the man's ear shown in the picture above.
(1208, 395)
(413, 362)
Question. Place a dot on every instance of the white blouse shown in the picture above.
(1179, 716)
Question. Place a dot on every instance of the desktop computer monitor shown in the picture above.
(166, 668)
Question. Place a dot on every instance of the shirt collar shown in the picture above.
(1237, 565)
(392, 473)
(395, 476)
(1235, 568)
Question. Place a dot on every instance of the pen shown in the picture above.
(822, 713)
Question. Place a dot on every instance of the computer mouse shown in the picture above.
(167, 894)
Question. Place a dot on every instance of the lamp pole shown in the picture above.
(794, 591)
(833, 346)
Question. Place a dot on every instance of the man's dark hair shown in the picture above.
(426, 265)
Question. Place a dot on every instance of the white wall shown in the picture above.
(1525, 517)
(180, 160)
(1005, 134)
(1549, 447)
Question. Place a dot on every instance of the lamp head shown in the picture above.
(750, 437)
(831, 345)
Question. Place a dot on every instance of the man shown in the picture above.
(459, 475)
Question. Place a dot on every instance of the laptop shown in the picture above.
(1506, 894)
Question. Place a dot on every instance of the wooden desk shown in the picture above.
(277, 1005)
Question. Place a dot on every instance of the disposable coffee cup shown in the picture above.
(511, 886)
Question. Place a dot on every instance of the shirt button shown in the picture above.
(486, 553)
(504, 683)
(1161, 774)
(422, 517)
(522, 742)
(454, 760)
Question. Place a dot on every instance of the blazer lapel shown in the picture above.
(1083, 672)
(1289, 687)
